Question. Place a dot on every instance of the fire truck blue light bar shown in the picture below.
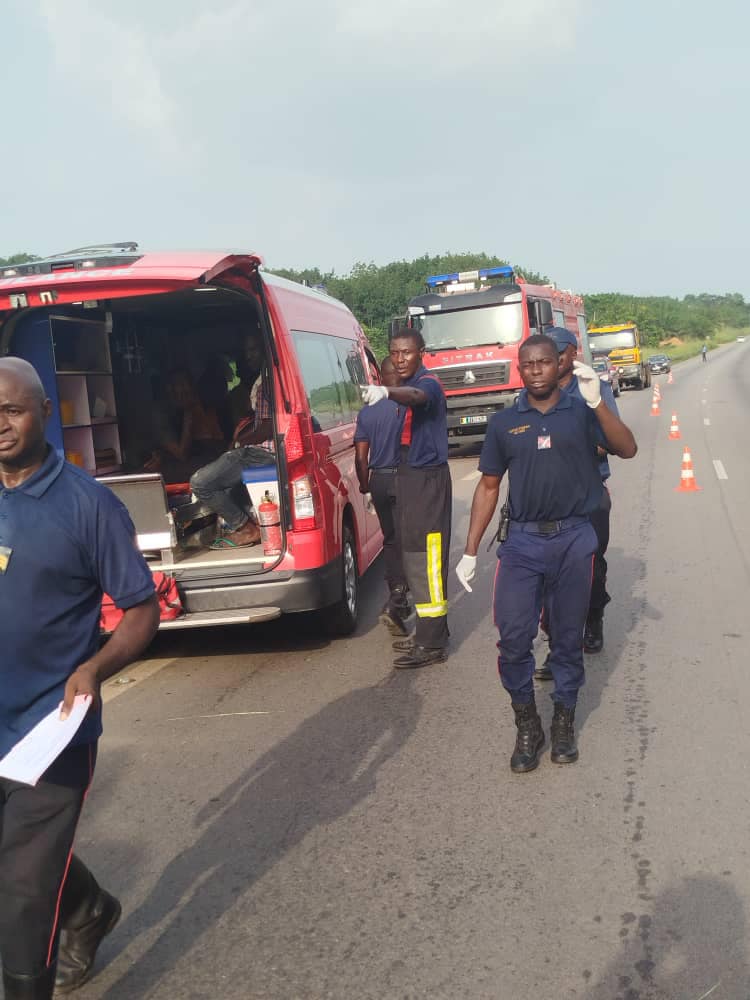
(485, 272)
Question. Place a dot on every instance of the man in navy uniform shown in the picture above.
(424, 497)
(546, 442)
(64, 538)
(593, 634)
(377, 445)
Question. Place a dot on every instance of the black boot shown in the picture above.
(38, 987)
(562, 735)
(593, 634)
(83, 929)
(396, 611)
(529, 739)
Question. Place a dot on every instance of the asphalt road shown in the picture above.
(285, 817)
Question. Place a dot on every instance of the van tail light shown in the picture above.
(305, 498)
(304, 508)
(294, 443)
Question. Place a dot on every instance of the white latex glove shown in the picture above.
(465, 571)
(373, 393)
(588, 383)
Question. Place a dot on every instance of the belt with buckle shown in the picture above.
(549, 527)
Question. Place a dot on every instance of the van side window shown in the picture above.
(559, 317)
(351, 375)
(325, 376)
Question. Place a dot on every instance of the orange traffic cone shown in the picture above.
(674, 430)
(655, 411)
(687, 478)
(657, 391)
(670, 380)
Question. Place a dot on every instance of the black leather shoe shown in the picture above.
(543, 673)
(29, 987)
(593, 634)
(529, 739)
(420, 656)
(562, 735)
(78, 946)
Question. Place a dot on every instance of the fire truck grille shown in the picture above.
(478, 377)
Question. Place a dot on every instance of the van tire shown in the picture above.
(341, 618)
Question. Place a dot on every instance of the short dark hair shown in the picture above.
(409, 333)
(538, 340)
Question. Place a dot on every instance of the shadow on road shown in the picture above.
(692, 945)
(627, 610)
(313, 777)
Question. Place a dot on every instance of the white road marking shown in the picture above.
(218, 715)
(476, 474)
(127, 679)
(713, 988)
(706, 421)
(703, 402)
(721, 472)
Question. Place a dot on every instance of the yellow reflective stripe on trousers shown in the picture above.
(438, 605)
(431, 610)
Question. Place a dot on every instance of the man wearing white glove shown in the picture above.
(424, 498)
(568, 370)
(546, 443)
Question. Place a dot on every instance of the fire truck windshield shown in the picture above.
(603, 343)
(496, 324)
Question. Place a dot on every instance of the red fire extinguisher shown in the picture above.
(270, 525)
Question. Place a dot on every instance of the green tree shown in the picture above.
(17, 258)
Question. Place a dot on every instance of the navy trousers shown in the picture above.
(555, 569)
(383, 492)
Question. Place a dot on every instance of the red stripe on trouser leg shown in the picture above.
(56, 919)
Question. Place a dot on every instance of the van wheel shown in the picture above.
(341, 618)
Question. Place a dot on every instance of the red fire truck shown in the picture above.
(473, 323)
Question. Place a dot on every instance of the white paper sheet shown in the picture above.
(31, 756)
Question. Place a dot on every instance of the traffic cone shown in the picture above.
(657, 391)
(655, 411)
(670, 380)
(687, 478)
(674, 430)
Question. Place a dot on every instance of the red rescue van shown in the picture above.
(106, 326)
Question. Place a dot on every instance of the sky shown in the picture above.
(602, 143)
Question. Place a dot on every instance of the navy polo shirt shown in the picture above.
(550, 458)
(380, 425)
(71, 539)
(429, 422)
(609, 401)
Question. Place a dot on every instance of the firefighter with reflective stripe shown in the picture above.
(424, 492)
(546, 442)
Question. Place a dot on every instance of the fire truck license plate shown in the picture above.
(480, 418)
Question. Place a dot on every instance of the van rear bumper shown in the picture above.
(302, 590)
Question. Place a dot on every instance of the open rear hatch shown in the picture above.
(110, 331)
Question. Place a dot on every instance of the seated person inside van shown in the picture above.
(213, 392)
(187, 432)
(219, 485)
